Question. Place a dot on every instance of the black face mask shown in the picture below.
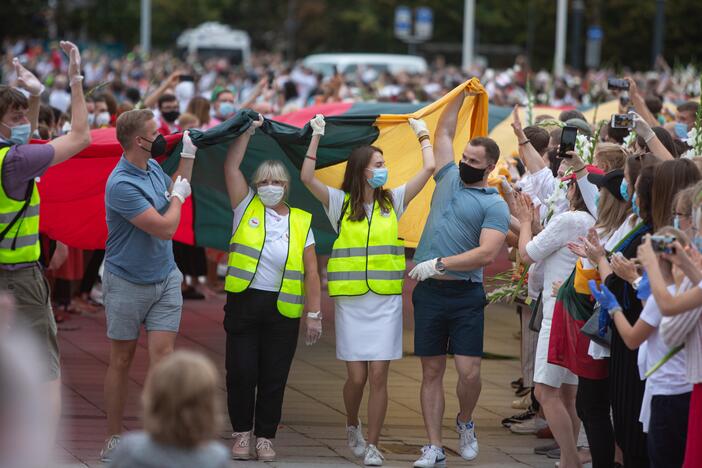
(170, 116)
(158, 146)
(470, 174)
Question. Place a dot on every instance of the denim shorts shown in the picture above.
(128, 305)
(448, 318)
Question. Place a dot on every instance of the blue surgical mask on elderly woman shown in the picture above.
(624, 190)
(380, 176)
(676, 222)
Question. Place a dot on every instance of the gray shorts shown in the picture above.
(128, 305)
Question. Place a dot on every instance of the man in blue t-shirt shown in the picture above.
(141, 283)
(465, 231)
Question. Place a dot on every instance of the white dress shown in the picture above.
(368, 327)
(550, 246)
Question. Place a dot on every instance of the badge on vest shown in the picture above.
(384, 213)
(254, 222)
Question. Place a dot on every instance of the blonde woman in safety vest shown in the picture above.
(272, 280)
(365, 275)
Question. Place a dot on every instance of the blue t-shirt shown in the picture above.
(457, 216)
(131, 253)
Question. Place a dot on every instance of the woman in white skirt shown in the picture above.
(365, 275)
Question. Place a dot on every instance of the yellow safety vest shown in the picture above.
(21, 242)
(367, 255)
(245, 249)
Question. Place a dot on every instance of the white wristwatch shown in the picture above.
(315, 315)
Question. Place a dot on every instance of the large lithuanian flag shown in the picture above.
(73, 193)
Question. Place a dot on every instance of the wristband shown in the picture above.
(179, 197)
(579, 169)
(76, 80)
(614, 311)
(187, 156)
(424, 137)
(521, 143)
(635, 284)
(313, 158)
(315, 315)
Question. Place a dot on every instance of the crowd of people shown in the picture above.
(610, 238)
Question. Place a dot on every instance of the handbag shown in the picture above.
(591, 329)
(537, 314)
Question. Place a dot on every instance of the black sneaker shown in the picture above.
(516, 383)
(519, 418)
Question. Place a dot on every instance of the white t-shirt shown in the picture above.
(671, 378)
(271, 265)
(336, 204)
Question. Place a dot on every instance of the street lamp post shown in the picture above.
(561, 23)
(468, 33)
(145, 27)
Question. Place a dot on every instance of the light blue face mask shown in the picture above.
(19, 134)
(676, 222)
(624, 190)
(226, 109)
(681, 130)
(635, 207)
(697, 240)
(380, 176)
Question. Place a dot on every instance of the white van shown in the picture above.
(213, 39)
(349, 64)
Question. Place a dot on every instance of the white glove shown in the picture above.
(642, 127)
(26, 79)
(419, 127)
(425, 270)
(181, 189)
(314, 330)
(189, 148)
(318, 125)
(254, 125)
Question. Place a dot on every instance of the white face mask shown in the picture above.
(102, 119)
(271, 195)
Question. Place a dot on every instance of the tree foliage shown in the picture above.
(367, 25)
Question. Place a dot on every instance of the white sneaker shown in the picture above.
(431, 456)
(373, 456)
(531, 426)
(467, 440)
(354, 437)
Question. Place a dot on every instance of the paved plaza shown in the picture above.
(312, 431)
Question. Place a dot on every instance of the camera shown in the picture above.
(622, 121)
(619, 84)
(663, 244)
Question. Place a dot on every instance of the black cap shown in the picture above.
(611, 181)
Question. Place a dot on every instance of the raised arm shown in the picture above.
(314, 185)
(417, 183)
(236, 182)
(654, 144)
(640, 103)
(27, 81)
(445, 131)
(187, 158)
(528, 154)
(78, 138)
(172, 80)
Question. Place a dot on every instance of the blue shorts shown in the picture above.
(128, 305)
(448, 318)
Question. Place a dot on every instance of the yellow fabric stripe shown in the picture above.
(403, 154)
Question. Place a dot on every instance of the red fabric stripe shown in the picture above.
(301, 117)
(73, 194)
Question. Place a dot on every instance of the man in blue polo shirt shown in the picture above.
(141, 283)
(465, 231)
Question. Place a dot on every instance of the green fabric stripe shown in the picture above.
(275, 140)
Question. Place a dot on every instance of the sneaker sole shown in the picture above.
(438, 463)
(241, 457)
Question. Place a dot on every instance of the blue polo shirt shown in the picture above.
(130, 253)
(457, 216)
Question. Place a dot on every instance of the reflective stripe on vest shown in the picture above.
(367, 256)
(245, 249)
(21, 243)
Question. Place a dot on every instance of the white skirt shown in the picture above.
(545, 373)
(368, 327)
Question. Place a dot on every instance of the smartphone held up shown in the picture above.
(568, 137)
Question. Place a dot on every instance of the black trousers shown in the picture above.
(260, 348)
(667, 430)
(592, 404)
